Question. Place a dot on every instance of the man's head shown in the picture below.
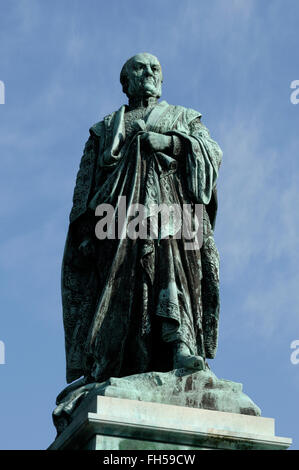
(142, 76)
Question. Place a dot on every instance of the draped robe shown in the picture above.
(124, 306)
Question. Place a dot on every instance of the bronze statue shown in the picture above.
(137, 305)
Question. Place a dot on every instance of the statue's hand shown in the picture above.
(156, 142)
(87, 248)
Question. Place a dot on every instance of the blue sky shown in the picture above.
(234, 61)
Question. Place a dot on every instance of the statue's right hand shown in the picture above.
(155, 142)
(87, 248)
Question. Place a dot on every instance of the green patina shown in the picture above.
(145, 306)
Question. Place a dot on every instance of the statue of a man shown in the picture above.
(137, 305)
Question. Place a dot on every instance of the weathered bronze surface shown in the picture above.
(132, 306)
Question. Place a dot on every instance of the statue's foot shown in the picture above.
(189, 362)
(184, 360)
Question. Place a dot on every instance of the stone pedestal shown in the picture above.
(107, 423)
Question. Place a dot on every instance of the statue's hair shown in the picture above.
(124, 72)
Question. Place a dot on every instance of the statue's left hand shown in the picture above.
(156, 142)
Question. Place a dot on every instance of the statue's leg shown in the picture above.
(178, 305)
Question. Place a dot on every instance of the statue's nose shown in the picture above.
(148, 70)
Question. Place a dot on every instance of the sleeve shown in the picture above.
(202, 163)
(85, 178)
(176, 146)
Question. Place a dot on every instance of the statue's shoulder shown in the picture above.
(96, 129)
(182, 116)
(192, 114)
(99, 127)
(189, 114)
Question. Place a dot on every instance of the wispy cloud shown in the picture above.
(233, 60)
(258, 231)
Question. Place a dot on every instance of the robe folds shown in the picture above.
(125, 304)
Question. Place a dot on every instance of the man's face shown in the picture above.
(145, 76)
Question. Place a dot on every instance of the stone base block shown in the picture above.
(107, 423)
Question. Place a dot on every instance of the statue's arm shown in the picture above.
(207, 158)
(82, 218)
(201, 161)
(199, 131)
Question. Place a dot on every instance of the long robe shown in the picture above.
(124, 306)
